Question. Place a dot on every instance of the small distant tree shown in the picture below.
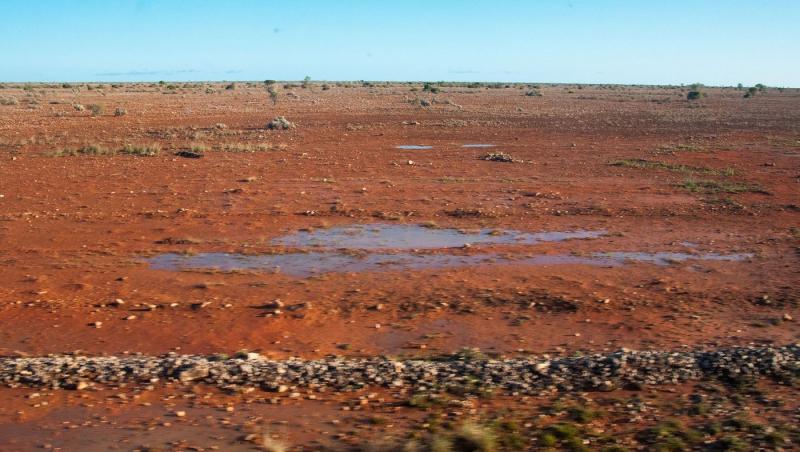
(761, 86)
(273, 94)
(752, 91)
(269, 82)
(306, 81)
(739, 86)
(694, 95)
(430, 88)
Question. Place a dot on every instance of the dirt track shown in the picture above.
(76, 230)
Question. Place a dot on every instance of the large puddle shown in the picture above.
(387, 247)
(388, 236)
(314, 263)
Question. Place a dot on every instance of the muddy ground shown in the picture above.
(714, 181)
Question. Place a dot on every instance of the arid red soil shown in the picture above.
(75, 230)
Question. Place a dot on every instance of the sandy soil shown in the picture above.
(75, 231)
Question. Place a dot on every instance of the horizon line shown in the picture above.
(406, 82)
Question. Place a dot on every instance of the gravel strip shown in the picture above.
(523, 376)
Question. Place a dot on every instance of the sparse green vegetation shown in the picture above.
(695, 95)
(198, 147)
(670, 436)
(273, 94)
(581, 414)
(648, 164)
(96, 109)
(430, 88)
(8, 101)
(425, 400)
(711, 186)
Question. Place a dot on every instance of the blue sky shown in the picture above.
(582, 41)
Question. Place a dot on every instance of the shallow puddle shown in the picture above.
(307, 264)
(389, 236)
(413, 146)
(314, 263)
(666, 258)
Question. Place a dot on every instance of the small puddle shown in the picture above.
(413, 146)
(478, 145)
(314, 263)
(666, 258)
(388, 236)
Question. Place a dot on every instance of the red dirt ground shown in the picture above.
(74, 230)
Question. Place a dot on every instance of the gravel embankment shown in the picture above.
(524, 376)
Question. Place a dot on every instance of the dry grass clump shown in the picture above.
(248, 147)
(94, 149)
(141, 150)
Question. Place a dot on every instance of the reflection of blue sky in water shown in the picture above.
(387, 236)
(308, 264)
(413, 146)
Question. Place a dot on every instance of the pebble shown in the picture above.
(523, 376)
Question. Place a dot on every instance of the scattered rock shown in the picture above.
(189, 154)
(280, 123)
(498, 157)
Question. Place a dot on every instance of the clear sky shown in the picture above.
(583, 41)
